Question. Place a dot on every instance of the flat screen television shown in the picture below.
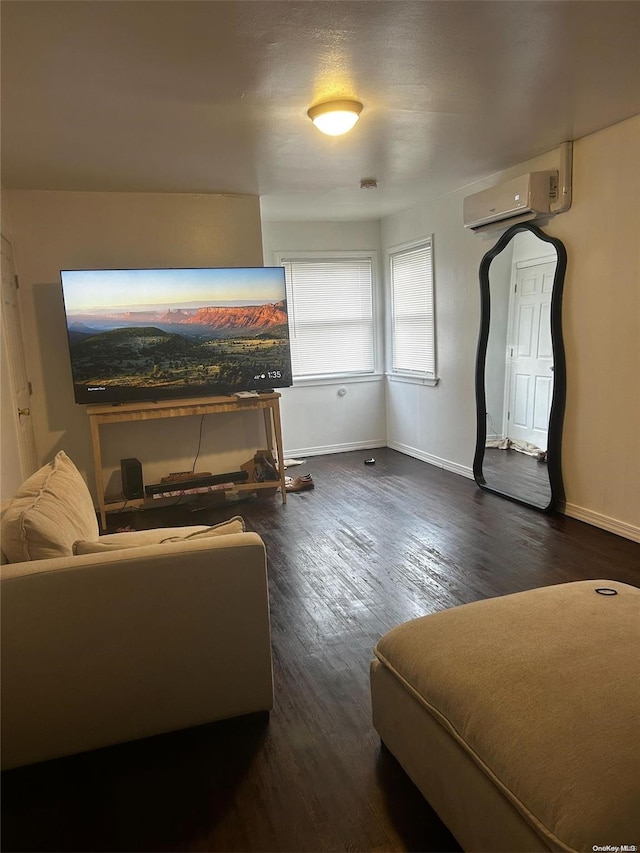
(157, 334)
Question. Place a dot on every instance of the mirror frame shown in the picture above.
(558, 398)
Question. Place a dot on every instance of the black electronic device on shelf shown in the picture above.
(132, 484)
(196, 483)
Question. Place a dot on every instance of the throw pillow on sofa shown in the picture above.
(50, 511)
(232, 525)
(136, 539)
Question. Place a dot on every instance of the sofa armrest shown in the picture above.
(112, 647)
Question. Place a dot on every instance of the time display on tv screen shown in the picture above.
(170, 333)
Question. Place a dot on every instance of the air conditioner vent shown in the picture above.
(520, 199)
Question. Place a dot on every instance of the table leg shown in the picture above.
(97, 466)
(275, 408)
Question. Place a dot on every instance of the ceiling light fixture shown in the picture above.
(335, 117)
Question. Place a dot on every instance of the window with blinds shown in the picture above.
(412, 311)
(331, 322)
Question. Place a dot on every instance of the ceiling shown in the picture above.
(209, 96)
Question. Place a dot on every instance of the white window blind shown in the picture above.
(330, 305)
(413, 320)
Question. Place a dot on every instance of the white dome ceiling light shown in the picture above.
(335, 117)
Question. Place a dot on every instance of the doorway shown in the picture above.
(19, 458)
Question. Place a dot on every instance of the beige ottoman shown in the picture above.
(518, 718)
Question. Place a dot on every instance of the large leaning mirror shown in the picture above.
(520, 368)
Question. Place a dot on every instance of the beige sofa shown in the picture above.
(152, 632)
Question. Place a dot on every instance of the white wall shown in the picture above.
(315, 418)
(59, 230)
(437, 424)
(601, 463)
(602, 330)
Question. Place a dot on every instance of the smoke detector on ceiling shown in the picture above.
(368, 184)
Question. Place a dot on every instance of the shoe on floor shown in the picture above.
(300, 484)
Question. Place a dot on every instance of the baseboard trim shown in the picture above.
(334, 448)
(454, 467)
(597, 519)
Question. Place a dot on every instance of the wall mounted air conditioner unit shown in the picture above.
(519, 200)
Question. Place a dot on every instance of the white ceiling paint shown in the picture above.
(208, 96)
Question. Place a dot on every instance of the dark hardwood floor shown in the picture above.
(369, 547)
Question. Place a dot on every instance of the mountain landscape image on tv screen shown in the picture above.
(159, 334)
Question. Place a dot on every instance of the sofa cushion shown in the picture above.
(158, 536)
(51, 510)
(541, 689)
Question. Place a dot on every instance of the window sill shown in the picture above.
(335, 379)
(412, 380)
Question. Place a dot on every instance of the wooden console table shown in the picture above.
(269, 404)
